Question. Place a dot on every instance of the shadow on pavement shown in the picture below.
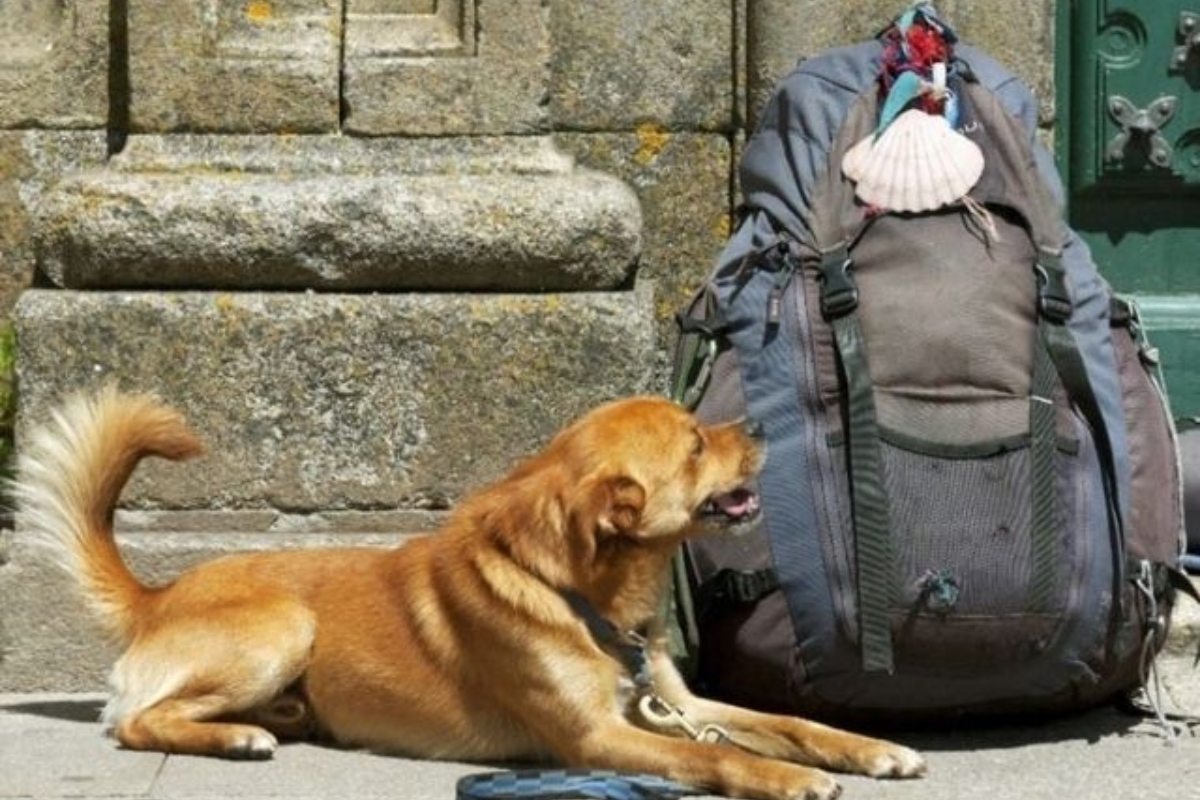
(74, 710)
(1024, 731)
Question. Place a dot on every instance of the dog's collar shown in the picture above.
(627, 647)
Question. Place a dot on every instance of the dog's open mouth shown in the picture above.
(739, 505)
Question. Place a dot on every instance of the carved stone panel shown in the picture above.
(619, 64)
(260, 66)
(445, 67)
(53, 63)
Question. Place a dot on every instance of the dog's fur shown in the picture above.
(457, 645)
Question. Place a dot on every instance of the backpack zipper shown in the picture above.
(787, 269)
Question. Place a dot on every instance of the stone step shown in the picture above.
(316, 402)
(340, 214)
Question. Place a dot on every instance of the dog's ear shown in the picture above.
(603, 507)
(619, 503)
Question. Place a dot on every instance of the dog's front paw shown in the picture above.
(775, 780)
(886, 760)
(821, 787)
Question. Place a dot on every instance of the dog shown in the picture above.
(527, 628)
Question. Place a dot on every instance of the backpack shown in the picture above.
(972, 498)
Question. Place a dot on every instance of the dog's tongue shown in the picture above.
(738, 503)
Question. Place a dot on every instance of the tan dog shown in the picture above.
(484, 641)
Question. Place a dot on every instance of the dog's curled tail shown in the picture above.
(70, 474)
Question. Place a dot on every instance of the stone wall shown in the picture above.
(376, 249)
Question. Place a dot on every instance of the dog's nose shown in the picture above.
(754, 429)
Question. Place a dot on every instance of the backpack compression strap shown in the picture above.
(868, 495)
(1068, 362)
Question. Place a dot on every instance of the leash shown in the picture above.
(569, 783)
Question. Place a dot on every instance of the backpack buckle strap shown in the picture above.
(740, 587)
(1122, 313)
(1150, 584)
(1053, 298)
(839, 292)
(698, 347)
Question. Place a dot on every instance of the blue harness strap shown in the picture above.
(569, 783)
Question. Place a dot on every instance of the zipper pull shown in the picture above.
(787, 269)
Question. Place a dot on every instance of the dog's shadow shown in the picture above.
(67, 710)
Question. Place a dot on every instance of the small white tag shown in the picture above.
(939, 77)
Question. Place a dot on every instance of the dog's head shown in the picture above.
(649, 470)
(641, 472)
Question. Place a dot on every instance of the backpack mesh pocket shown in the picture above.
(962, 555)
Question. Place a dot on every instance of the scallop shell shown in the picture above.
(919, 163)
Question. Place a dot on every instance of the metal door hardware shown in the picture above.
(1189, 32)
(1144, 124)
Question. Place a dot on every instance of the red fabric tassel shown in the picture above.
(924, 47)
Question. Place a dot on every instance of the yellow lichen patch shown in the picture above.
(226, 304)
(552, 304)
(652, 139)
(493, 309)
(259, 10)
(664, 309)
(723, 227)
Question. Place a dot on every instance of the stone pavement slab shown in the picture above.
(52, 747)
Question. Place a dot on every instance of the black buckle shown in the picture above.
(710, 327)
(839, 293)
(1054, 301)
(744, 587)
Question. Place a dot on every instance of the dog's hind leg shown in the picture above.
(177, 688)
(174, 726)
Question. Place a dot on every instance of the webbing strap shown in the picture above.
(1072, 371)
(696, 353)
(689, 357)
(868, 495)
(868, 498)
(836, 223)
(569, 783)
(1043, 529)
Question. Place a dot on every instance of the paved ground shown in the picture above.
(51, 746)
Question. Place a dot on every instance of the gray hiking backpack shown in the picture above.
(971, 501)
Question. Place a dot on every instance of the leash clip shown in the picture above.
(661, 714)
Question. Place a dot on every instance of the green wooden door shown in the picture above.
(1128, 144)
